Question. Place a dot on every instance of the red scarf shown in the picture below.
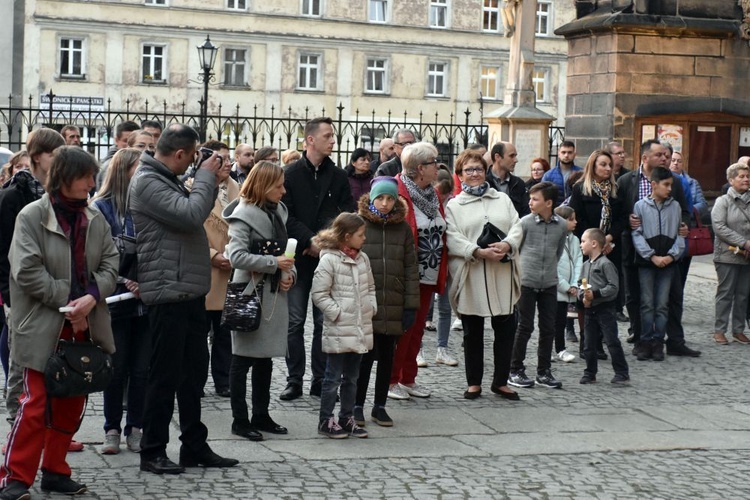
(350, 252)
(72, 218)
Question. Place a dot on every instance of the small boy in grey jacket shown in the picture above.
(658, 246)
(541, 239)
(599, 285)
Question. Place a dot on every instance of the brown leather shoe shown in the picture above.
(721, 339)
(741, 338)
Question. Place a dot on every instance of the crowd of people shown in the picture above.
(374, 245)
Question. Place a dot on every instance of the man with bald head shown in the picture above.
(402, 138)
(385, 153)
(500, 176)
(244, 155)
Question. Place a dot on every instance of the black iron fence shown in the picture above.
(97, 121)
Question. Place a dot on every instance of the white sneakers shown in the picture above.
(457, 325)
(565, 356)
(442, 357)
(111, 443)
(421, 361)
(417, 390)
(397, 391)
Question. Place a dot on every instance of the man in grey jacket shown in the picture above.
(174, 275)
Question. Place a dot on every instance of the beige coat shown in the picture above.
(40, 282)
(217, 232)
(481, 287)
(344, 290)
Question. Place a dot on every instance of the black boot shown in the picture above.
(657, 350)
(59, 483)
(642, 350)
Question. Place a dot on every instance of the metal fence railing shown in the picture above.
(97, 120)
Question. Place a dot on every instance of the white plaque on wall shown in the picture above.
(528, 143)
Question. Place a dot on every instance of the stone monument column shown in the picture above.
(518, 120)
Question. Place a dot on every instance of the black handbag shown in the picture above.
(242, 312)
(77, 369)
(128, 267)
(491, 234)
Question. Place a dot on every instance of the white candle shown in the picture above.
(291, 248)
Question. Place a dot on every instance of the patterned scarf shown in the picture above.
(350, 252)
(425, 200)
(73, 221)
(475, 190)
(603, 190)
(379, 213)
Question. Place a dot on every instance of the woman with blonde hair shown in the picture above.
(257, 240)
(130, 326)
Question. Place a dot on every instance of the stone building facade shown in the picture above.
(430, 56)
(676, 70)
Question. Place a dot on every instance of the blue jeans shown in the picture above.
(298, 298)
(341, 370)
(655, 284)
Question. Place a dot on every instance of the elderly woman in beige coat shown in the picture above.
(485, 280)
(217, 232)
(258, 217)
(61, 255)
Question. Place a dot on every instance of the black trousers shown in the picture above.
(221, 351)
(504, 328)
(545, 300)
(382, 351)
(179, 359)
(601, 323)
(261, 386)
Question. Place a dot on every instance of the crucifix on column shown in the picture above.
(519, 18)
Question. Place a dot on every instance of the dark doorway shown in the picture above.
(709, 154)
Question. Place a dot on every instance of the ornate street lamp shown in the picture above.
(207, 57)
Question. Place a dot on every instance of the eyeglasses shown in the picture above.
(473, 171)
(404, 144)
(427, 164)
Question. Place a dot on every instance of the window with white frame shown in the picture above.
(376, 76)
(544, 18)
(237, 4)
(153, 67)
(158, 3)
(235, 67)
(311, 8)
(71, 58)
(309, 69)
(540, 80)
(489, 81)
(491, 15)
(438, 13)
(437, 79)
(378, 11)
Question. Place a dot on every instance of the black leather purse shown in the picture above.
(491, 234)
(242, 313)
(77, 369)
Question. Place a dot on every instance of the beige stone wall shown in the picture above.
(613, 77)
(274, 32)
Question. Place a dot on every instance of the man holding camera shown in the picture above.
(174, 275)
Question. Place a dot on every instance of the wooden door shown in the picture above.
(709, 155)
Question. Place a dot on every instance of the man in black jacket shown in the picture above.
(316, 192)
(402, 138)
(504, 158)
(631, 187)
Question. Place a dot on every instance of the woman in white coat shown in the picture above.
(486, 284)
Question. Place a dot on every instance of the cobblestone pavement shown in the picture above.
(680, 430)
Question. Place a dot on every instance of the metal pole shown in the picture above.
(204, 104)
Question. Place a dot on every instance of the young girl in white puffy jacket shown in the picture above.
(568, 271)
(344, 290)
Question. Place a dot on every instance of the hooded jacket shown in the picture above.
(173, 257)
(344, 290)
(658, 232)
(393, 259)
(40, 282)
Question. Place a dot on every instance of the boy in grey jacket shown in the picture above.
(541, 239)
(598, 292)
(658, 246)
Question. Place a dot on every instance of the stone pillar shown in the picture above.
(519, 121)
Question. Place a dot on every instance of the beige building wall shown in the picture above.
(273, 35)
